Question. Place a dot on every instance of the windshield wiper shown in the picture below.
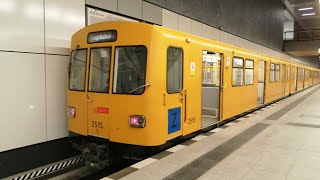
(146, 85)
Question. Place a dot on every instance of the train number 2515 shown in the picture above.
(97, 124)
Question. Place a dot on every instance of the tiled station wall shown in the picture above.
(149, 12)
(260, 21)
(34, 48)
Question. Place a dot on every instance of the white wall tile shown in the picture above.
(131, 8)
(92, 18)
(22, 25)
(111, 5)
(22, 105)
(227, 38)
(56, 88)
(184, 24)
(196, 28)
(210, 32)
(169, 19)
(62, 20)
(151, 13)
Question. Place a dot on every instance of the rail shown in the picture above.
(302, 35)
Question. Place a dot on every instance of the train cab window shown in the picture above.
(78, 70)
(174, 70)
(99, 70)
(237, 71)
(248, 78)
(129, 70)
(272, 72)
(277, 73)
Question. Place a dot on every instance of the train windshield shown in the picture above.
(78, 70)
(129, 70)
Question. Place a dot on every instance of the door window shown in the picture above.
(248, 80)
(277, 73)
(211, 69)
(272, 72)
(261, 72)
(99, 70)
(174, 70)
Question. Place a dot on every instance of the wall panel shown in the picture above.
(184, 24)
(22, 105)
(151, 13)
(131, 8)
(62, 19)
(22, 25)
(56, 87)
(111, 5)
(170, 19)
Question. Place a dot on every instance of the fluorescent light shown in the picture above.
(319, 50)
(306, 8)
(308, 14)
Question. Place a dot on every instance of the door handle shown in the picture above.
(88, 99)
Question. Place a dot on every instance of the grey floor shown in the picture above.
(207, 121)
(283, 147)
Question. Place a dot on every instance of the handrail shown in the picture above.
(302, 35)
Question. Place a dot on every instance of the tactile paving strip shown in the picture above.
(45, 170)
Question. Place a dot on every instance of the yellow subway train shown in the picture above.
(135, 86)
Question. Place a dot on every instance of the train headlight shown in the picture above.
(137, 121)
(71, 112)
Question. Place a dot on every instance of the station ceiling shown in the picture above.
(310, 6)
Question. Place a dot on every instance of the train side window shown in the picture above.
(277, 73)
(237, 71)
(249, 72)
(272, 72)
(174, 70)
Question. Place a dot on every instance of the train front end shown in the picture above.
(113, 94)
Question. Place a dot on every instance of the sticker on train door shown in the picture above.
(193, 70)
(174, 120)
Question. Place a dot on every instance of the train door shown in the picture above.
(175, 97)
(77, 94)
(211, 84)
(98, 90)
(296, 79)
(288, 80)
(284, 81)
(261, 82)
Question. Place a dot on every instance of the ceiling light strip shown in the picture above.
(308, 14)
(306, 8)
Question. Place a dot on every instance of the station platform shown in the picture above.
(279, 141)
